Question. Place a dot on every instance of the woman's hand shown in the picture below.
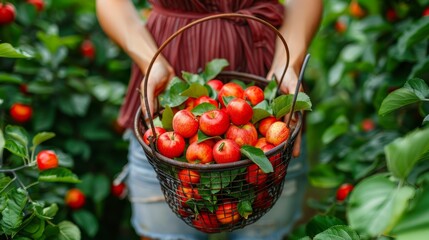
(288, 86)
(159, 77)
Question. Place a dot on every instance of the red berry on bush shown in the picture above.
(7, 13)
(343, 191)
(39, 4)
(20, 112)
(425, 12)
(87, 49)
(47, 159)
(391, 15)
(119, 190)
(75, 199)
(368, 125)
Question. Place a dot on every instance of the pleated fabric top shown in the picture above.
(246, 44)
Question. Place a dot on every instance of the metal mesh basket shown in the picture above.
(219, 197)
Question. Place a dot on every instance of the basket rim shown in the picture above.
(216, 166)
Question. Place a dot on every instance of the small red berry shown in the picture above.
(343, 191)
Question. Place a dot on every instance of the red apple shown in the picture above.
(187, 193)
(215, 84)
(21, 113)
(391, 15)
(254, 95)
(206, 99)
(199, 153)
(243, 135)
(188, 177)
(263, 200)
(119, 190)
(226, 151)
(149, 133)
(267, 147)
(255, 175)
(7, 13)
(356, 10)
(340, 26)
(214, 122)
(264, 124)
(227, 213)
(171, 144)
(190, 103)
(39, 4)
(185, 123)
(277, 133)
(239, 111)
(425, 12)
(230, 89)
(206, 222)
(280, 169)
(368, 125)
(343, 191)
(261, 142)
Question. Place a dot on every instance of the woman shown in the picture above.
(247, 45)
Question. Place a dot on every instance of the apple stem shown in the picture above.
(221, 146)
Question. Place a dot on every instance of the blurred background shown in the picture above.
(76, 79)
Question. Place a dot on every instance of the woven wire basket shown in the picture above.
(219, 197)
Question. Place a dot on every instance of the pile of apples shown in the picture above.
(226, 126)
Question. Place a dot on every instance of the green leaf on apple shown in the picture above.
(245, 208)
(167, 118)
(239, 82)
(227, 99)
(213, 68)
(202, 108)
(192, 78)
(171, 96)
(282, 105)
(260, 111)
(195, 90)
(206, 194)
(258, 157)
(202, 137)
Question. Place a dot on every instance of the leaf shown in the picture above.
(417, 32)
(340, 127)
(324, 176)
(419, 87)
(50, 211)
(195, 90)
(213, 68)
(10, 78)
(68, 231)
(258, 157)
(216, 181)
(16, 148)
(397, 99)
(171, 96)
(282, 105)
(202, 108)
(35, 228)
(12, 213)
(403, 153)
(270, 91)
(245, 208)
(376, 204)
(414, 224)
(340, 232)
(42, 137)
(59, 174)
(87, 221)
(167, 118)
(17, 133)
(259, 114)
(320, 223)
(192, 78)
(8, 51)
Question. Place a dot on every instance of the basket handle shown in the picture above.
(181, 30)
